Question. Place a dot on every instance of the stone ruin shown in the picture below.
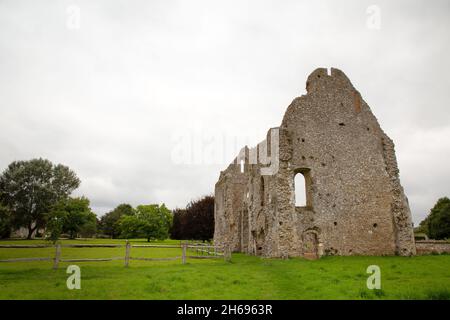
(355, 204)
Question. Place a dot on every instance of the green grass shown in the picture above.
(245, 277)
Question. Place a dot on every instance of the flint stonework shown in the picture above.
(355, 204)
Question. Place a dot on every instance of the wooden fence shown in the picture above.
(201, 251)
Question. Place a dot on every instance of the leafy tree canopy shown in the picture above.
(31, 188)
(109, 223)
(196, 221)
(72, 216)
(437, 224)
(156, 221)
(5, 222)
(178, 225)
(149, 221)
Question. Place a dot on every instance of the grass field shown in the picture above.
(245, 277)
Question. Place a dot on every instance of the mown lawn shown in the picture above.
(245, 277)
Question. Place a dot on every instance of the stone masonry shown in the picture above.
(355, 204)
(432, 247)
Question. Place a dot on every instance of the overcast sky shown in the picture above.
(148, 100)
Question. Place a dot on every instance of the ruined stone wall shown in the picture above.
(432, 247)
(355, 203)
(229, 197)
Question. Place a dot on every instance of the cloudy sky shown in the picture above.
(148, 100)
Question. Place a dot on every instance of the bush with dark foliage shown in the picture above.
(196, 222)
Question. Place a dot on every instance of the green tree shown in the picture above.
(130, 227)
(72, 216)
(55, 223)
(155, 221)
(109, 223)
(5, 222)
(149, 221)
(437, 223)
(31, 188)
(89, 228)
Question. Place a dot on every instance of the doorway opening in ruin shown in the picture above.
(260, 237)
(302, 182)
(310, 245)
(253, 242)
(245, 231)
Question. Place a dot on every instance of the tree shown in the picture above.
(149, 221)
(72, 216)
(109, 222)
(155, 221)
(31, 188)
(54, 227)
(196, 221)
(5, 222)
(89, 228)
(200, 215)
(176, 231)
(437, 224)
(130, 227)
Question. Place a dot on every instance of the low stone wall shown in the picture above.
(432, 246)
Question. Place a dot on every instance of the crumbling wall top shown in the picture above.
(321, 77)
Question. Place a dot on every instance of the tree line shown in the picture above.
(195, 222)
(151, 222)
(36, 195)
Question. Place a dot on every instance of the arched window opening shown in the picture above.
(300, 190)
(262, 195)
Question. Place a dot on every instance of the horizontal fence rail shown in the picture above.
(92, 245)
(90, 260)
(156, 259)
(26, 259)
(202, 252)
(25, 246)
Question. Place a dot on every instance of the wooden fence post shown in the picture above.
(127, 253)
(57, 256)
(183, 257)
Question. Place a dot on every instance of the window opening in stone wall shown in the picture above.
(300, 190)
(262, 190)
